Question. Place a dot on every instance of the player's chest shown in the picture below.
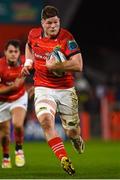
(11, 73)
(44, 45)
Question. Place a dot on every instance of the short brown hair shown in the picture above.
(14, 42)
(49, 11)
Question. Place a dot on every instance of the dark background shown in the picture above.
(98, 23)
(96, 28)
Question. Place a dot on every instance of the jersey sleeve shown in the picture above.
(33, 34)
(72, 47)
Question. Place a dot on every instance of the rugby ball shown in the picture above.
(59, 57)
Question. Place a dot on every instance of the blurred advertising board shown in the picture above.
(27, 11)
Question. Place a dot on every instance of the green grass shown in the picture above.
(101, 160)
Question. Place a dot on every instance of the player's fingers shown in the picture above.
(50, 61)
(25, 71)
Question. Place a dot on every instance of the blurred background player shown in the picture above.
(54, 93)
(13, 102)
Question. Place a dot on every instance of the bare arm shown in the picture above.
(4, 89)
(29, 60)
(74, 64)
(28, 52)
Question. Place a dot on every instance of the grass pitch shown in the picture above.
(101, 160)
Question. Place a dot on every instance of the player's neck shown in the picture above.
(12, 64)
(48, 36)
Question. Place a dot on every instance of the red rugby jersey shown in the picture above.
(41, 47)
(8, 75)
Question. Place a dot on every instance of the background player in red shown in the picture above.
(13, 102)
(55, 93)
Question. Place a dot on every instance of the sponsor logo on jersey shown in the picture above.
(58, 47)
(72, 45)
(40, 56)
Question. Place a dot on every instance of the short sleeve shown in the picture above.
(72, 47)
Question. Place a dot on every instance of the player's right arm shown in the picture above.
(29, 60)
(4, 89)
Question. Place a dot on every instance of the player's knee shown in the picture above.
(18, 123)
(43, 109)
(45, 121)
(71, 123)
(5, 132)
(5, 128)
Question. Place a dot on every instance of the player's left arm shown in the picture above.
(72, 52)
(73, 64)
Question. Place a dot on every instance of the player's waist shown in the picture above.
(13, 96)
(64, 85)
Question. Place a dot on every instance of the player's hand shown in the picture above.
(25, 71)
(50, 63)
(18, 82)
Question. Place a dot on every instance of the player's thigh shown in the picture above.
(18, 110)
(18, 115)
(4, 111)
(45, 104)
(68, 109)
(68, 102)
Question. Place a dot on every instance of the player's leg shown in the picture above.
(18, 112)
(18, 116)
(55, 142)
(70, 118)
(5, 133)
(5, 141)
(45, 110)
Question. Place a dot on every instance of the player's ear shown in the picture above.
(42, 22)
(59, 20)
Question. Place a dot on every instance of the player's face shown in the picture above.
(12, 54)
(51, 26)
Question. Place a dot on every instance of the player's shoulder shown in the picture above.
(35, 32)
(22, 58)
(64, 33)
(2, 60)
